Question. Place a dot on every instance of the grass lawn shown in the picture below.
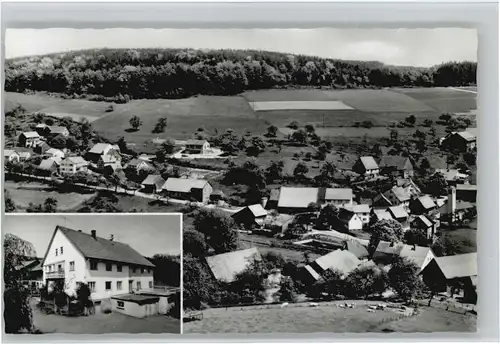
(104, 323)
(325, 318)
(466, 236)
(23, 193)
(443, 99)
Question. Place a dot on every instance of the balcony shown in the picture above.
(55, 274)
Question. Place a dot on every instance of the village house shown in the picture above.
(51, 131)
(153, 183)
(31, 273)
(42, 148)
(425, 224)
(422, 205)
(197, 190)
(379, 215)
(366, 166)
(399, 214)
(453, 176)
(54, 153)
(342, 261)
(251, 216)
(108, 161)
(11, 155)
(298, 199)
(393, 197)
(226, 266)
(445, 274)
(101, 149)
(24, 155)
(49, 165)
(29, 139)
(137, 165)
(73, 164)
(362, 211)
(347, 221)
(409, 186)
(197, 147)
(467, 192)
(396, 166)
(356, 248)
(386, 251)
(462, 141)
(108, 267)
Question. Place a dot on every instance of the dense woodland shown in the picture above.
(123, 74)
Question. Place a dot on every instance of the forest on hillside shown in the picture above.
(123, 74)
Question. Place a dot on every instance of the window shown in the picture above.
(119, 268)
(71, 266)
(118, 285)
(59, 268)
(120, 304)
(150, 284)
(57, 251)
(93, 265)
(108, 285)
(138, 285)
(92, 287)
(109, 267)
(142, 270)
(61, 250)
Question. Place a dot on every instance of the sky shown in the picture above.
(147, 234)
(407, 47)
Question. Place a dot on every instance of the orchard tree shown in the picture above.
(300, 137)
(300, 171)
(219, 229)
(135, 122)
(294, 125)
(436, 185)
(193, 243)
(287, 291)
(272, 130)
(160, 125)
(198, 285)
(274, 171)
(166, 149)
(309, 129)
(411, 120)
(256, 146)
(393, 134)
(366, 281)
(385, 230)
(403, 278)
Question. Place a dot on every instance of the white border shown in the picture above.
(483, 16)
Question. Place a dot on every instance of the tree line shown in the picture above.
(122, 74)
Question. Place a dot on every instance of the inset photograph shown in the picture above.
(88, 274)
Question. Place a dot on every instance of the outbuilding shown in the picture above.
(135, 305)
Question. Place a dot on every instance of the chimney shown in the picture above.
(111, 237)
(93, 233)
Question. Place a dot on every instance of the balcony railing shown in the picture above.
(55, 274)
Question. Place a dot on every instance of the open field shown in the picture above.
(325, 318)
(299, 105)
(101, 323)
(23, 193)
(214, 114)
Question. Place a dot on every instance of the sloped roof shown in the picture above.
(100, 148)
(9, 152)
(183, 184)
(369, 162)
(338, 194)
(460, 265)
(108, 158)
(226, 266)
(76, 160)
(47, 164)
(400, 193)
(385, 247)
(382, 214)
(424, 220)
(104, 249)
(57, 129)
(396, 161)
(358, 208)
(153, 179)
(30, 134)
(357, 249)
(398, 211)
(257, 210)
(467, 136)
(54, 151)
(426, 202)
(291, 197)
(274, 195)
(416, 254)
(468, 187)
(461, 205)
(196, 142)
(341, 260)
(136, 162)
(313, 272)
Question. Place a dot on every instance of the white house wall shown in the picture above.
(70, 254)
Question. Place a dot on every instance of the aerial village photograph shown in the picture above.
(85, 274)
(326, 177)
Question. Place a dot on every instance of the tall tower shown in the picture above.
(452, 204)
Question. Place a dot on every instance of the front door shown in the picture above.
(130, 286)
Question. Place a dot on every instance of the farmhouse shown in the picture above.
(31, 273)
(29, 139)
(54, 153)
(347, 221)
(11, 155)
(446, 273)
(467, 192)
(153, 183)
(399, 214)
(297, 199)
(53, 131)
(396, 166)
(197, 147)
(24, 155)
(73, 164)
(386, 251)
(100, 149)
(107, 266)
(408, 186)
(380, 214)
(356, 248)
(342, 261)
(137, 165)
(226, 266)
(453, 176)
(251, 216)
(422, 205)
(49, 165)
(42, 148)
(108, 160)
(198, 190)
(393, 197)
(367, 166)
(462, 141)
(425, 224)
(361, 210)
